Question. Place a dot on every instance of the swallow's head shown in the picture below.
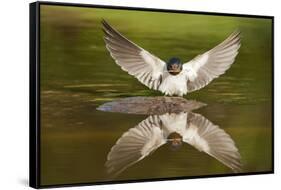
(175, 140)
(174, 66)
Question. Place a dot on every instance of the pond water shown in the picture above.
(78, 76)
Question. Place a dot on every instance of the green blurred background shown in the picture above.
(77, 75)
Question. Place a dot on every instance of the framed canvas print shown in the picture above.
(121, 94)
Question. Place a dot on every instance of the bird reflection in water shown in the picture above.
(173, 129)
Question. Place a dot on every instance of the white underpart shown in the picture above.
(174, 123)
(174, 84)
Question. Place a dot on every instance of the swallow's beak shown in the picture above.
(176, 142)
(175, 68)
(174, 71)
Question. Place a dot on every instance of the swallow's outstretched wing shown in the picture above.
(209, 138)
(134, 145)
(147, 68)
(201, 70)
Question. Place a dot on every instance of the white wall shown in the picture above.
(14, 92)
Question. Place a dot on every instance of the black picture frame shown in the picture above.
(34, 92)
